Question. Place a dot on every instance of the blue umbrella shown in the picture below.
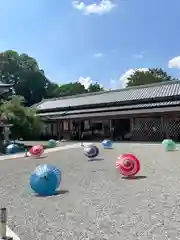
(107, 144)
(13, 148)
(45, 179)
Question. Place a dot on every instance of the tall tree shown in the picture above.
(30, 81)
(95, 87)
(153, 75)
(74, 88)
(23, 71)
(51, 89)
(70, 89)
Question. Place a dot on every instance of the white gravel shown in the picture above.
(96, 202)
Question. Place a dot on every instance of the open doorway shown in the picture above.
(122, 129)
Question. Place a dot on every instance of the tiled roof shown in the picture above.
(117, 113)
(129, 107)
(112, 110)
(145, 92)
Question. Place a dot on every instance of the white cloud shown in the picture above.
(121, 83)
(98, 55)
(86, 81)
(105, 6)
(114, 83)
(174, 62)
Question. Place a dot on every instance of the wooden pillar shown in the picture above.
(131, 124)
(165, 126)
(69, 129)
(132, 128)
(103, 128)
(111, 129)
(80, 130)
(59, 129)
(110, 124)
(51, 124)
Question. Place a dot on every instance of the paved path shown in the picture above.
(56, 149)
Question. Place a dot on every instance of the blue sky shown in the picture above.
(92, 39)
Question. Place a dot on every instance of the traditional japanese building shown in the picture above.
(148, 112)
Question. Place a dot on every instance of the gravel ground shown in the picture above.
(95, 202)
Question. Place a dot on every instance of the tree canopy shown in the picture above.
(95, 87)
(69, 89)
(30, 81)
(153, 75)
(23, 71)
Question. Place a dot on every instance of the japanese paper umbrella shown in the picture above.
(91, 151)
(45, 179)
(36, 150)
(107, 144)
(128, 165)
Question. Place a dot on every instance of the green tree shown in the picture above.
(23, 71)
(25, 122)
(153, 75)
(74, 88)
(30, 81)
(70, 89)
(52, 90)
(95, 87)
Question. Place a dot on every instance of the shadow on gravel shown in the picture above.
(99, 170)
(58, 192)
(42, 157)
(95, 159)
(36, 158)
(135, 177)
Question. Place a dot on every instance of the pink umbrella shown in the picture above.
(37, 150)
(128, 165)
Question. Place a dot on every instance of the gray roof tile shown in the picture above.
(122, 112)
(151, 91)
(69, 114)
(126, 107)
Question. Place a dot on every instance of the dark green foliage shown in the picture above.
(153, 75)
(25, 122)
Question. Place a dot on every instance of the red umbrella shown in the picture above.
(128, 165)
(37, 150)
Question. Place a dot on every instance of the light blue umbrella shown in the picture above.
(107, 144)
(45, 179)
